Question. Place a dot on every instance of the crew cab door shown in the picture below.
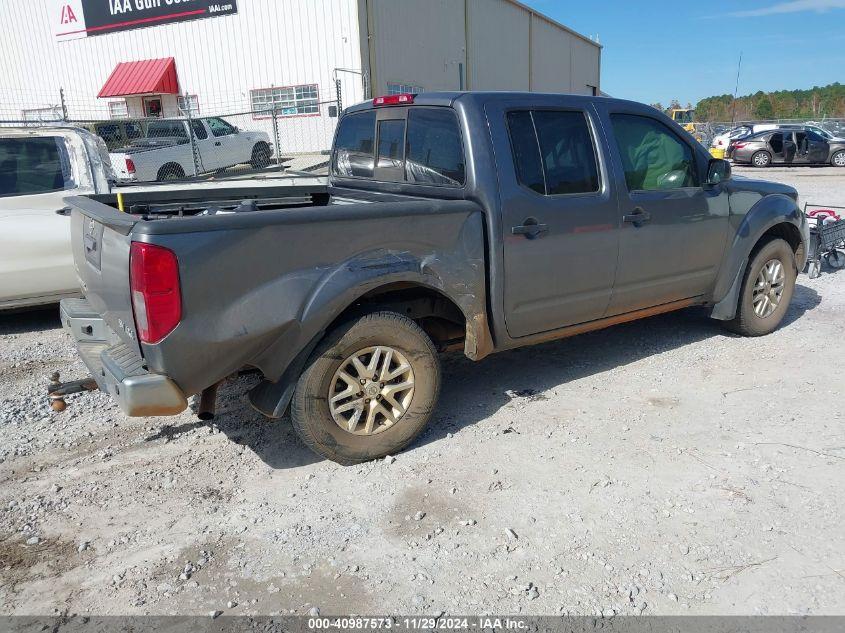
(673, 230)
(558, 214)
(35, 251)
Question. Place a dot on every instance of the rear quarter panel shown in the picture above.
(258, 288)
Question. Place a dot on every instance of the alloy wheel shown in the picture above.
(371, 390)
(768, 288)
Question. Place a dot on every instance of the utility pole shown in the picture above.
(736, 89)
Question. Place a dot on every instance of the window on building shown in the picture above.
(52, 113)
(553, 152)
(286, 101)
(435, 153)
(118, 109)
(33, 165)
(399, 88)
(189, 105)
(652, 155)
(353, 153)
(219, 127)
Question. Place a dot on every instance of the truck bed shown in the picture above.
(258, 286)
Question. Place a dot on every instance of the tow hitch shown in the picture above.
(57, 391)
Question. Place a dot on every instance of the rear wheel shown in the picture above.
(761, 159)
(171, 171)
(766, 290)
(368, 389)
(838, 159)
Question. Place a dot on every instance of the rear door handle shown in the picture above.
(638, 217)
(530, 228)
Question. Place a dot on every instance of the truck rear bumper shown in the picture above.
(116, 367)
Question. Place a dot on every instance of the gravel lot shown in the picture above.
(659, 467)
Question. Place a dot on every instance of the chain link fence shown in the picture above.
(192, 140)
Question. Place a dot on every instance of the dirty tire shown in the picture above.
(310, 412)
(747, 322)
(260, 156)
(761, 159)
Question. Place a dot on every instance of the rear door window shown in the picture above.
(435, 153)
(554, 153)
(354, 144)
(33, 165)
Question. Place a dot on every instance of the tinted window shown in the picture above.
(199, 130)
(166, 129)
(566, 147)
(353, 153)
(435, 154)
(391, 141)
(652, 156)
(219, 127)
(133, 130)
(554, 152)
(526, 152)
(33, 165)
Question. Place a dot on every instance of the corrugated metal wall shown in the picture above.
(499, 44)
(419, 42)
(268, 43)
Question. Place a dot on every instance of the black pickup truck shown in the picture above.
(451, 221)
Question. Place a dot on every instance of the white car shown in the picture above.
(173, 149)
(38, 168)
(721, 141)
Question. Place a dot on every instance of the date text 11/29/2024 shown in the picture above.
(426, 623)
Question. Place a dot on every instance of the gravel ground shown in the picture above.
(658, 467)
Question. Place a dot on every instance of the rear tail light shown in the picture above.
(739, 145)
(156, 296)
(402, 99)
(130, 166)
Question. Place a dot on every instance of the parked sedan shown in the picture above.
(785, 146)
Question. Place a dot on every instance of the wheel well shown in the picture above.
(434, 312)
(785, 231)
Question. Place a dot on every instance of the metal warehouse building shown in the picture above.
(101, 59)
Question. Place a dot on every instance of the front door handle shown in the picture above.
(217, 143)
(530, 228)
(638, 217)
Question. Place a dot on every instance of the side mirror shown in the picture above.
(718, 171)
(332, 111)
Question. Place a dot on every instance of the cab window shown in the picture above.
(353, 147)
(219, 127)
(33, 165)
(653, 157)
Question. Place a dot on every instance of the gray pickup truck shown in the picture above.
(451, 221)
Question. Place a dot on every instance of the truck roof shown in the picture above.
(448, 98)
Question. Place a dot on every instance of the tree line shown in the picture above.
(815, 103)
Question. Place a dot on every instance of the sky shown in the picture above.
(658, 51)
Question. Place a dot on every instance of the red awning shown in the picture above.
(150, 76)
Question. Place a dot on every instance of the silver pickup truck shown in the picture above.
(452, 221)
